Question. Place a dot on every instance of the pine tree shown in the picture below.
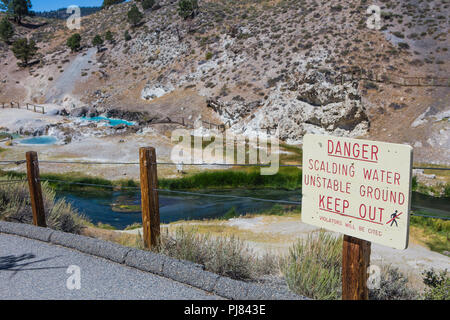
(97, 41)
(127, 36)
(16, 8)
(109, 36)
(188, 8)
(134, 16)
(6, 30)
(24, 50)
(108, 3)
(74, 42)
(147, 4)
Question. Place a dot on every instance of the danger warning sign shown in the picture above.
(358, 187)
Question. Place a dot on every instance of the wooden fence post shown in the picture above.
(34, 184)
(355, 263)
(149, 197)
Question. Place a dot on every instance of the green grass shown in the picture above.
(75, 177)
(105, 226)
(438, 190)
(287, 178)
(436, 232)
(295, 155)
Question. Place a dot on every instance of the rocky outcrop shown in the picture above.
(309, 103)
(151, 92)
(232, 112)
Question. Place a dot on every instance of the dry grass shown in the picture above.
(15, 207)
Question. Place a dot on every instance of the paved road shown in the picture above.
(31, 269)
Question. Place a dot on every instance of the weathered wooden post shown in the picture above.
(355, 263)
(149, 197)
(34, 183)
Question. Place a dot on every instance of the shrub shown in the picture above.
(15, 207)
(127, 36)
(230, 214)
(225, 256)
(313, 266)
(208, 56)
(97, 41)
(109, 36)
(403, 45)
(313, 269)
(74, 42)
(393, 286)
(438, 285)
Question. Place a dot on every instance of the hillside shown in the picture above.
(256, 65)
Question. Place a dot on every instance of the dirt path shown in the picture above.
(71, 76)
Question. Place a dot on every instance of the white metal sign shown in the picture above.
(358, 187)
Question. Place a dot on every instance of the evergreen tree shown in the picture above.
(97, 41)
(6, 30)
(188, 8)
(108, 3)
(109, 36)
(16, 8)
(147, 4)
(127, 35)
(74, 42)
(134, 16)
(24, 50)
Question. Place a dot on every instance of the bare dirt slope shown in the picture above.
(257, 58)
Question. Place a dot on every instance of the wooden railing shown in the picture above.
(28, 106)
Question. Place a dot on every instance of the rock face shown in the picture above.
(308, 104)
(151, 92)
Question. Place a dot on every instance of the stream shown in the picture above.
(121, 209)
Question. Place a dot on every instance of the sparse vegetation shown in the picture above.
(225, 256)
(438, 285)
(15, 207)
(313, 267)
(393, 286)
